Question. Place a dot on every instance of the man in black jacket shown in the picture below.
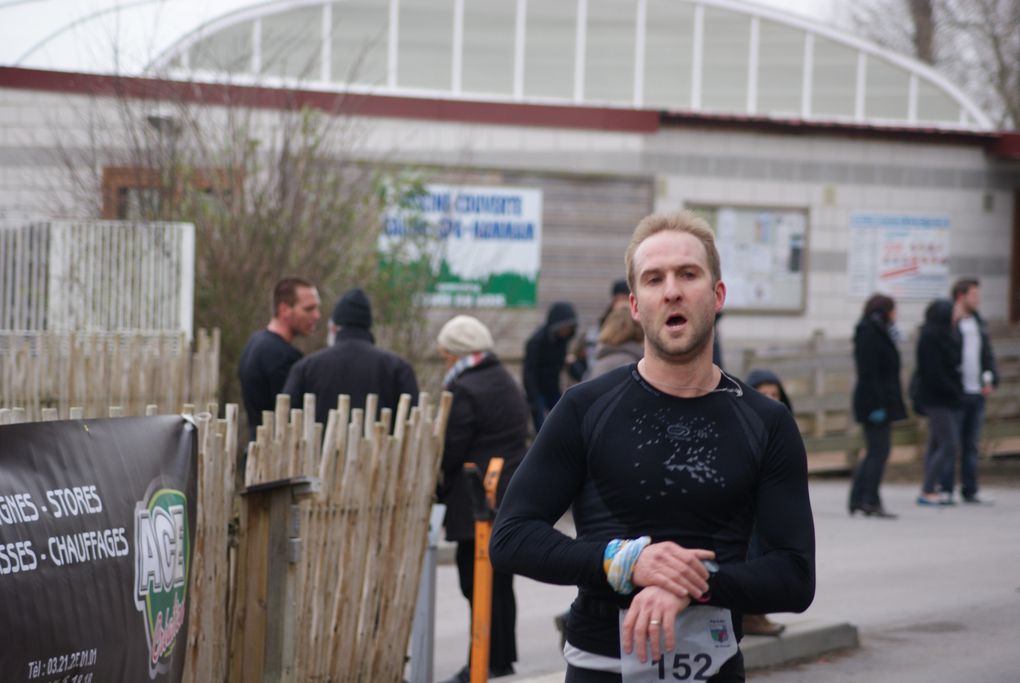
(980, 377)
(353, 365)
(488, 418)
(268, 355)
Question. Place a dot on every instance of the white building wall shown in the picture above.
(880, 178)
(830, 176)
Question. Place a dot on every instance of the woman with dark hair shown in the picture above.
(940, 394)
(878, 400)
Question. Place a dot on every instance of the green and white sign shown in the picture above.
(484, 243)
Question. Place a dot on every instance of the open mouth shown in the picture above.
(676, 320)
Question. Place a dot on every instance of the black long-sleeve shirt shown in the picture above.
(697, 471)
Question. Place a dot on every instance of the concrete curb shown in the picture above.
(805, 640)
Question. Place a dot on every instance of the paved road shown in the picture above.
(935, 595)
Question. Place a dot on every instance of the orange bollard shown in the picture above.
(483, 495)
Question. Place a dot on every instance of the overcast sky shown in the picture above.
(80, 35)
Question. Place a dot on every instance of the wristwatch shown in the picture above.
(713, 568)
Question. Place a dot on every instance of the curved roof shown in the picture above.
(713, 56)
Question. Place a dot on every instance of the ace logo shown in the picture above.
(162, 557)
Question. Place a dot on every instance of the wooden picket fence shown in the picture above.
(356, 536)
(214, 555)
(314, 586)
(95, 370)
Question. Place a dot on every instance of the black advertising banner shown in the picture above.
(97, 521)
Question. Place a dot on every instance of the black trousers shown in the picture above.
(731, 672)
(868, 476)
(502, 638)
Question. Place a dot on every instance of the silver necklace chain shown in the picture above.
(735, 389)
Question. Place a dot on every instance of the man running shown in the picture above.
(668, 463)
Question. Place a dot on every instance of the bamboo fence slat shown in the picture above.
(362, 535)
(96, 370)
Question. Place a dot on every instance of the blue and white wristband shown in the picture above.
(618, 562)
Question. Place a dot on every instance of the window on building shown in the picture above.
(134, 193)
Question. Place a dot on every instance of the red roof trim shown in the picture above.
(808, 127)
(1003, 145)
(594, 118)
(1008, 146)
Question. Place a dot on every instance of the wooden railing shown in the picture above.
(819, 377)
(96, 370)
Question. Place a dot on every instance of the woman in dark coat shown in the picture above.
(940, 394)
(488, 418)
(878, 400)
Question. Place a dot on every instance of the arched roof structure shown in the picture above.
(711, 56)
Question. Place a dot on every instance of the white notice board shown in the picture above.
(905, 256)
(762, 252)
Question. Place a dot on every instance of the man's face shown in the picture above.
(302, 317)
(972, 300)
(674, 299)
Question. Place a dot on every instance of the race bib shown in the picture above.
(704, 642)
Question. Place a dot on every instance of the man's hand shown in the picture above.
(651, 616)
(674, 568)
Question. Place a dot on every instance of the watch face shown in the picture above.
(711, 566)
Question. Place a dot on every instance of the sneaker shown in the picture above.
(978, 500)
(932, 499)
(761, 625)
(947, 499)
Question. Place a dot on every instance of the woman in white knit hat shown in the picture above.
(489, 418)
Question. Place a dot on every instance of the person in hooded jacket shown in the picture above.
(621, 342)
(940, 394)
(768, 383)
(488, 418)
(545, 355)
(878, 400)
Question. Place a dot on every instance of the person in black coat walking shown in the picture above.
(878, 400)
(545, 355)
(488, 418)
(352, 365)
(940, 394)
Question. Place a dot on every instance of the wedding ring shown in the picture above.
(653, 622)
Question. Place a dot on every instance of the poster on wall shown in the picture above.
(97, 521)
(484, 243)
(762, 254)
(905, 256)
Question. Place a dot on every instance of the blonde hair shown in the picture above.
(620, 328)
(677, 221)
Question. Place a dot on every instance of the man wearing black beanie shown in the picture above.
(351, 365)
